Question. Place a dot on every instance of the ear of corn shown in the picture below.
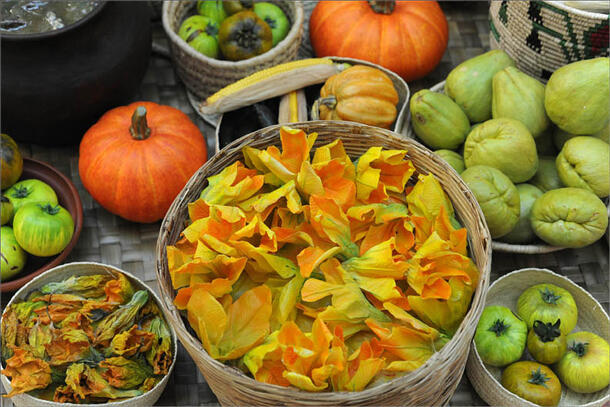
(271, 82)
(293, 107)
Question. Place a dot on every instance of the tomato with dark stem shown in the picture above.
(244, 35)
(43, 229)
(500, 336)
(545, 342)
(585, 367)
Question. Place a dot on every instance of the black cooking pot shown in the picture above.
(57, 84)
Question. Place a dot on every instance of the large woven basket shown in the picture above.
(538, 248)
(431, 384)
(505, 291)
(542, 36)
(203, 75)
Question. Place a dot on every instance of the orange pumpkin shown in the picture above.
(407, 37)
(359, 94)
(137, 158)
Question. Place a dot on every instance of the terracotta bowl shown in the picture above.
(68, 197)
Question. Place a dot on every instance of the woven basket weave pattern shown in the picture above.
(203, 75)
(542, 36)
(445, 367)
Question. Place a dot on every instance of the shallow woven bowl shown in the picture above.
(60, 273)
(203, 75)
(538, 248)
(67, 196)
(505, 291)
(402, 107)
(542, 36)
(431, 384)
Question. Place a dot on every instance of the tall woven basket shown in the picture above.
(203, 75)
(542, 36)
(431, 384)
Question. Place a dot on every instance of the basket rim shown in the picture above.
(475, 359)
(510, 247)
(157, 298)
(294, 34)
(240, 378)
(578, 12)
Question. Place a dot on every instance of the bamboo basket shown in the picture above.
(431, 384)
(505, 291)
(542, 36)
(500, 246)
(203, 75)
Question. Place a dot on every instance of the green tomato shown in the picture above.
(201, 33)
(12, 255)
(30, 190)
(500, 336)
(43, 229)
(548, 303)
(585, 367)
(546, 343)
(213, 9)
(275, 18)
(533, 382)
(7, 210)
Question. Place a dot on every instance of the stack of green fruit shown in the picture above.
(499, 127)
(579, 360)
(40, 226)
(235, 30)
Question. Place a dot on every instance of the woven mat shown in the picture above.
(108, 239)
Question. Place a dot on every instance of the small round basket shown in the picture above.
(542, 36)
(203, 75)
(431, 384)
(505, 291)
(60, 273)
(499, 246)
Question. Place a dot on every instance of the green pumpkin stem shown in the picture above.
(549, 297)
(539, 378)
(21, 192)
(139, 127)
(580, 348)
(547, 332)
(50, 209)
(499, 327)
(382, 6)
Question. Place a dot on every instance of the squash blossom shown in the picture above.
(124, 373)
(120, 319)
(159, 356)
(322, 273)
(85, 286)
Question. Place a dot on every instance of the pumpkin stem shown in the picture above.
(139, 128)
(383, 6)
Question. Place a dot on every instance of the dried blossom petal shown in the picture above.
(132, 341)
(26, 372)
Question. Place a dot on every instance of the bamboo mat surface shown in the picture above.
(108, 239)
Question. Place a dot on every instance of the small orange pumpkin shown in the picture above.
(137, 158)
(359, 94)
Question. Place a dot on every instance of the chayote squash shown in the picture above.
(518, 96)
(497, 196)
(437, 120)
(577, 96)
(569, 217)
(469, 83)
(455, 160)
(546, 178)
(584, 162)
(522, 232)
(505, 144)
